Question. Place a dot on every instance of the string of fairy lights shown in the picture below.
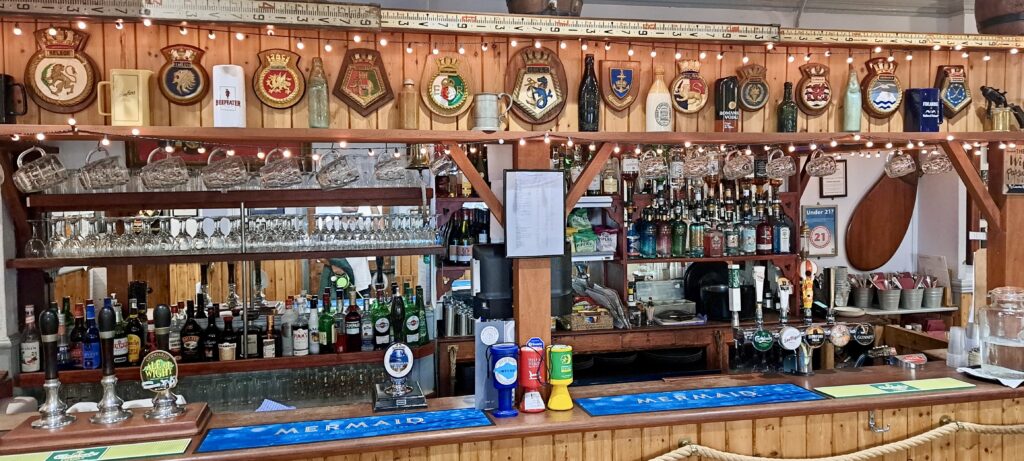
(298, 41)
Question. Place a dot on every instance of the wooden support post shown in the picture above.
(972, 180)
(592, 169)
(531, 278)
(479, 185)
(1005, 251)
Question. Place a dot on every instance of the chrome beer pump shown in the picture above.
(53, 411)
(109, 408)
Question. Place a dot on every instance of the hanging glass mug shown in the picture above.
(335, 171)
(440, 158)
(737, 165)
(652, 165)
(230, 171)
(780, 165)
(899, 164)
(389, 167)
(165, 173)
(102, 173)
(819, 164)
(39, 174)
(936, 162)
(280, 173)
(696, 164)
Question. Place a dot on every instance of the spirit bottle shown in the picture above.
(136, 333)
(696, 238)
(191, 337)
(787, 111)
(381, 322)
(610, 179)
(233, 301)
(76, 339)
(413, 318)
(632, 237)
(397, 315)
(326, 327)
(353, 325)
(230, 342)
(319, 110)
(300, 337)
(664, 238)
(589, 98)
(314, 327)
(91, 344)
(120, 338)
(268, 348)
(659, 103)
(30, 341)
(680, 232)
(782, 232)
(65, 320)
(648, 236)
(714, 241)
(422, 310)
(727, 110)
(288, 320)
(630, 173)
(748, 237)
(211, 337)
(765, 232)
(366, 323)
(174, 337)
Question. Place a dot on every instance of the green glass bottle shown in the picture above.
(680, 229)
(787, 111)
(318, 96)
(380, 314)
(421, 309)
(327, 327)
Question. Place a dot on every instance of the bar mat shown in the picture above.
(894, 387)
(696, 399)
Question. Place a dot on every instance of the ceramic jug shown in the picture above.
(228, 96)
(127, 97)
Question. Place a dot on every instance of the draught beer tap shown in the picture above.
(53, 411)
(110, 410)
(165, 403)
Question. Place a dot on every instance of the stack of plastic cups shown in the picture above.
(956, 355)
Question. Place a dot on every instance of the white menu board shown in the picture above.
(534, 213)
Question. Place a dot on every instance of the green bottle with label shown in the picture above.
(787, 111)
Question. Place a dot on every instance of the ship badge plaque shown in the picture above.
(399, 393)
(362, 82)
(60, 76)
(753, 87)
(689, 90)
(881, 88)
(446, 87)
(814, 94)
(620, 86)
(183, 80)
(536, 81)
(953, 89)
(278, 82)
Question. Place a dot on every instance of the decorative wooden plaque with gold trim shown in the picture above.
(689, 90)
(278, 83)
(362, 81)
(620, 83)
(182, 79)
(754, 91)
(536, 81)
(813, 92)
(881, 89)
(60, 76)
(447, 86)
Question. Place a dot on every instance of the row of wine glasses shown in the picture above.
(85, 236)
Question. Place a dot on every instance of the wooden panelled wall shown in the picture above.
(136, 46)
(789, 437)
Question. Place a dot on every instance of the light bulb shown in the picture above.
(397, 154)
(1014, 51)
(383, 42)
(342, 144)
(562, 44)
(659, 151)
(147, 22)
(522, 142)
(370, 152)
(910, 144)
(435, 51)
(791, 148)
(833, 143)
(987, 57)
(965, 55)
(910, 56)
(888, 145)
(891, 58)
(828, 53)
(462, 50)
(968, 146)
(287, 153)
(72, 121)
(1002, 145)
(201, 150)
(807, 57)
(849, 59)
(81, 25)
(936, 47)
(569, 142)
(536, 43)
(408, 49)
(168, 148)
(52, 31)
(813, 146)
(636, 150)
(746, 59)
(607, 46)
(583, 46)
(720, 56)
(211, 35)
(182, 30)
(616, 149)
(484, 46)
(770, 46)
(592, 147)
(106, 141)
(878, 49)
(328, 47)
(315, 157)
(270, 30)
(702, 55)
(630, 51)
(869, 144)
(687, 144)
(501, 140)
(135, 131)
(239, 36)
(547, 139)
(300, 45)
(790, 58)
(950, 137)
(356, 38)
(958, 47)
(654, 53)
(679, 55)
(513, 43)
(17, 29)
(920, 144)
(856, 137)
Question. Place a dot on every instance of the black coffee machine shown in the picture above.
(493, 270)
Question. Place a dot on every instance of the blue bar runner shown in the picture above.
(696, 398)
(273, 435)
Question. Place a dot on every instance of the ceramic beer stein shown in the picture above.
(821, 164)
(163, 174)
(780, 165)
(899, 164)
(127, 95)
(489, 115)
(39, 174)
(225, 173)
(228, 96)
(102, 173)
(280, 173)
(9, 110)
(737, 165)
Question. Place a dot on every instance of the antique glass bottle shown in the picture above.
(353, 324)
(408, 101)
(590, 97)
(787, 112)
(318, 97)
(659, 103)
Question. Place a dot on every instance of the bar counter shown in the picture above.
(814, 428)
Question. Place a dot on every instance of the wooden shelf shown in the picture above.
(232, 366)
(53, 263)
(132, 201)
(272, 136)
(706, 260)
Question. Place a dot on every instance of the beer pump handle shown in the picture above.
(48, 330)
(162, 325)
(107, 320)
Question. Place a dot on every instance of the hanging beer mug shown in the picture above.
(102, 173)
(163, 174)
(39, 174)
(696, 164)
(737, 165)
(780, 165)
(335, 171)
(936, 162)
(388, 167)
(440, 158)
(280, 173)
(820, 164)
(226, 173)
(420, 159)
(653, 165)
(899, 164)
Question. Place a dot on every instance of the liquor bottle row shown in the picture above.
(210, 333)
(453, 183)
(695, 221)
(573, 158)
(467, 228)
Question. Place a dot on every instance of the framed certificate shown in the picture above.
(821, 221)
(834, 185)
(534, 213)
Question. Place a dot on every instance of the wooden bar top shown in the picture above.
(576, 420)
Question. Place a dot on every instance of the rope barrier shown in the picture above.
(691, 449)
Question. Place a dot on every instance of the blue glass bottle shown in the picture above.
(91, 345)
(748, 237)
(633, 240)
(648, 238)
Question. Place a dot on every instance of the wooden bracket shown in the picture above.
(479, 185)
(591, 171)
(976, 188)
